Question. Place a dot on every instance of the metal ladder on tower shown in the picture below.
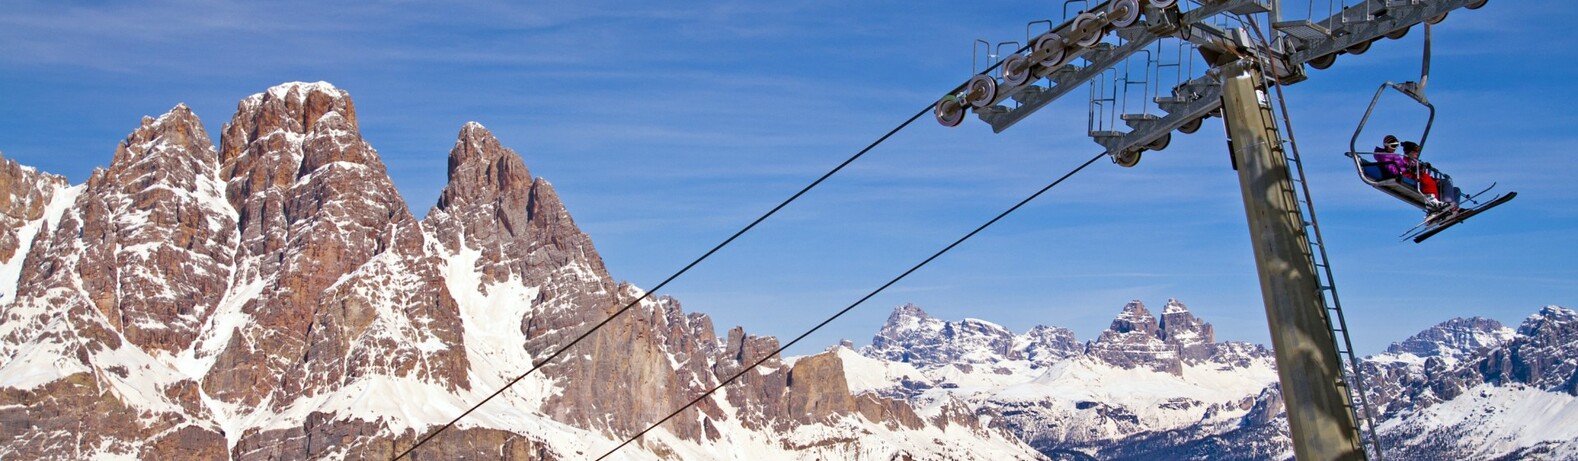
(1353, 384)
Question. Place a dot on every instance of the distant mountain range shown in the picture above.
(1162, 388)
(270, 296)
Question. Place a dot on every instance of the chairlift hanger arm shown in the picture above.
(1406, 90)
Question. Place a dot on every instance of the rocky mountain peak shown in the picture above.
(158, 212)
(172, 150)
(481, 170)
(1545, 353)
(334, 257)
(1447, 361)
(132, 268)
(911, 335)
(906, 319)
(306, 103)
(1551, 321)
(24, 193)
(1134, 318)
(1045, 345)
(494, 205)
(1134, 341)
(907, 311)
(272, 133)
(1454, 339)
(1193, 338)
(292, 152)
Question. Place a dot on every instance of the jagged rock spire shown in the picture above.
(24, 192)
(132, 268)
(1194, 339)
(1134, 318)
(333, 254)
(158, 211)
(1134, 341)
(493, 204)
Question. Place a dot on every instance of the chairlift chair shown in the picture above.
(1408, 187)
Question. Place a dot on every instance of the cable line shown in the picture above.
(682, 271)
(852, 306)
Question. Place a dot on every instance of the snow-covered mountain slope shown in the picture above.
(1151, 388)
(1142, 376)
(272, 297)
(1481, 391)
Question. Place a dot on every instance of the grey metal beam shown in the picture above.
(1068, 77)
(1366, 22)
(1203, 96)
(1319, 422)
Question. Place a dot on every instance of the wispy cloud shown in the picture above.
(666, 127)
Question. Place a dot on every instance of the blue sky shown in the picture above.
(667, 126)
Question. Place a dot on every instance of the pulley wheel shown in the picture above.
(1400, 33)
(1052, 45)
(1124, 13)
(1163, 4)
(949, 112)
(1085, 39)
(1191, 126)
(1359, 48)
(1160, 143)
(1323, 62)
(1127, 159)
(981, 92)
(1476, 5)
(1437, 19)
(1016, 70)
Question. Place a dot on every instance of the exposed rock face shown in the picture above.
(155, 217)
(1455, 339)
(755, 390)
(1134, 341)
(1471, 388)
(1417, 372)
(524, 235)
(24, 192)
(1045, 345)
(333, 255)
(817, 389)
(1194, 339)
(1137, 339)
(912, 336)
(128, 270)
(493, 205)
(1544, 355)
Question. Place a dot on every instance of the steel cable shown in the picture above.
(550, 358)
(840, 313)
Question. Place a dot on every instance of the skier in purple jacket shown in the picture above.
(1391, 164)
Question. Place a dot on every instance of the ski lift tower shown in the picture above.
(1314, 356)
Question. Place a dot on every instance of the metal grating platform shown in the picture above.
(1303, 30)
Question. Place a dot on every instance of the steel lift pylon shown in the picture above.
(1315, 361)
